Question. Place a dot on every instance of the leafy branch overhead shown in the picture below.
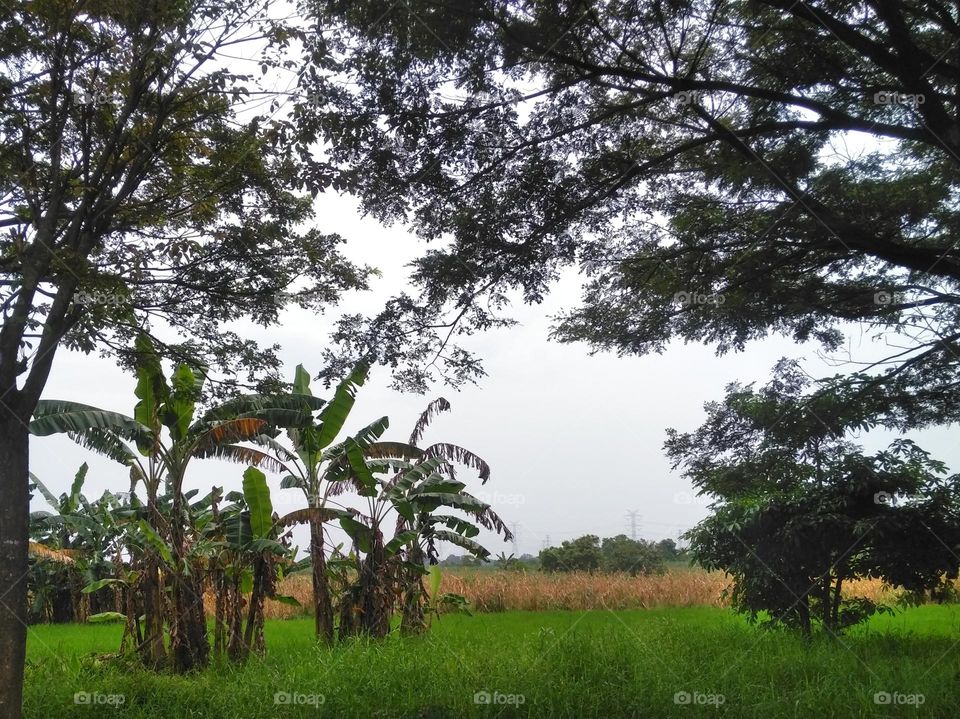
(716, 178)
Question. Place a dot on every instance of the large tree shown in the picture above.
(722, 170)
(138, 192)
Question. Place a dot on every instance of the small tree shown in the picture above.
(800, 510)
(308, 468)
(668, 549)
(634, 556)
(579, 555)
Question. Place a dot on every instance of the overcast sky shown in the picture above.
(574, 441)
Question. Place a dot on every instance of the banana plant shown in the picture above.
(53, 580)
(307, 468)
(249, 561)
(81, 540)
(423, 481)
(167, 436)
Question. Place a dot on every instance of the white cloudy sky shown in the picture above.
(574, 441)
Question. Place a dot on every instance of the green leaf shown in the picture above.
(177, 411)
(256, 493)
(359, 533)
(285, 599)
(404, 509)
(301, 381)
(152, 390)
(430, 500)
(334, 415)
(400, 541)
(236, 530)
(100, 584)
(53, 416)
(474, 548)
(458, 525)
(264, 544)
(73, 501)
(156, 541)
(104, 617)
(47, 494)
(361, 471)
(291, 481)
(311, 514)
(436, 578)
(280, 410)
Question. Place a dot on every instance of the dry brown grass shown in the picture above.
(534, 591)
(498, 591)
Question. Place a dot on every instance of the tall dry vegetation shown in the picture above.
(493, 591)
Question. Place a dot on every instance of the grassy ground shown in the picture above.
(677, 662)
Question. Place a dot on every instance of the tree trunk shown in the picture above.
(14, 529)
(189, 644)
(253, 633)
(188, 636)
(61, 604)
(153, 651)
(803, 609)
(414, 595)
(235, 650)
(837, 599)
(322, 603)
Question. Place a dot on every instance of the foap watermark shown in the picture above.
(98, 98)
(95, 299)
(298, 699)
(890, 97)
(885, 297)
(699, 699)
(884, 498)
(99, 699)
(898, 698)
(687, 97)
(500, 498)
(692, 299)
(498, 699)
(690, 498)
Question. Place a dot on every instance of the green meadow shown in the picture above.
(678, 662)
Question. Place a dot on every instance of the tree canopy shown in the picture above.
(721, 170)
(140, 193)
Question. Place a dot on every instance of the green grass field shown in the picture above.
(695, 662)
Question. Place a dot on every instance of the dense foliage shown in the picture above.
(799, 509)
(722, 170)
(613, 554)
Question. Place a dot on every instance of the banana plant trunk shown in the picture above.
(153, 652)
(322, 602)
(413, 620)
(14, 528)
(189, 643)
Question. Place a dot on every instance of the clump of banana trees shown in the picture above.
(168, 550)
(307, 464)
(413, 483)
(251, 552)
(158, 557)
(70, 548)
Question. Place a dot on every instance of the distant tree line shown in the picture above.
(613, 554)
